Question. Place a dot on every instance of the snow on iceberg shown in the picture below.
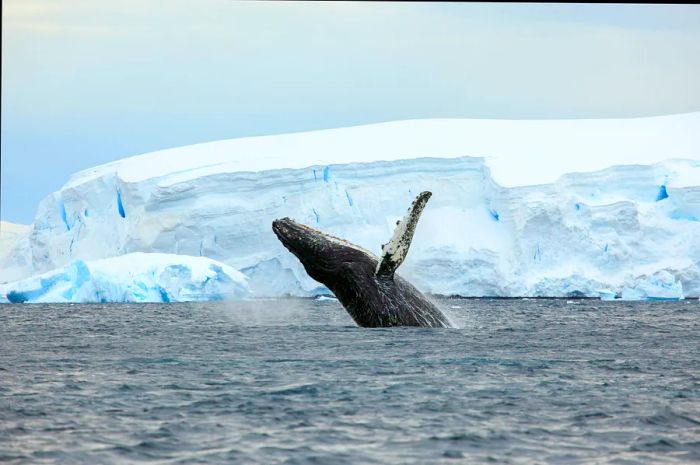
(505, 218)
(134, 277)
(10, 234)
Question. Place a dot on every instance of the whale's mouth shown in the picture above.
(299, 239)
(279, 227)
(283, 230)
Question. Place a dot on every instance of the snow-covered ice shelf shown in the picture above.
(519, 208)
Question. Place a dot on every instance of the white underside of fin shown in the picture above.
(394, 252)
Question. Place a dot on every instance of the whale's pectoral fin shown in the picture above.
(394, 252)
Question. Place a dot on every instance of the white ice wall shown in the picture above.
(595, 233)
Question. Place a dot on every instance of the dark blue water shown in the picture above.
(521, 382)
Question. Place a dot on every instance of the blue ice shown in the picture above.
(120, 205)
(220, 275)
(45, 285)
(64, 216)
(349, 198)
(683, 216)
(662, 193)
(82, 275)
(163, 295)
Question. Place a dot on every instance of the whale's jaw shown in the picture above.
(325, 257)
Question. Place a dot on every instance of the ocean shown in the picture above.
(296, 382)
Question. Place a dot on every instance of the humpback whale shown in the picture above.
(368, 287)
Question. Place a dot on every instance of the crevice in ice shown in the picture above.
(349, 198)
(120, 204)
(325, 174)
(662, 193)
(164, 295)
(318, 218)
(64, 216)
(537, 257)
(494, 214)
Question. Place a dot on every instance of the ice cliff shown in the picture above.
(519, 208)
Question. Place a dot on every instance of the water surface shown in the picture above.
(294, 381)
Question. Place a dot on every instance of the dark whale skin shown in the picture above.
(350, 273)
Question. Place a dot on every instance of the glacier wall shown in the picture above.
(611, 231)
(630, 231)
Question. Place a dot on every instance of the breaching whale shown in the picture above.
(369, 288)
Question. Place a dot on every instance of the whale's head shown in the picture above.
(327, 259)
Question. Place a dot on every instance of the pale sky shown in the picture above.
(86, 82)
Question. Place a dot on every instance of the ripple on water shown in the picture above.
(532, 381)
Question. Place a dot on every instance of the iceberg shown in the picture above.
(519, 208)
(134, 277)
(662, 285)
